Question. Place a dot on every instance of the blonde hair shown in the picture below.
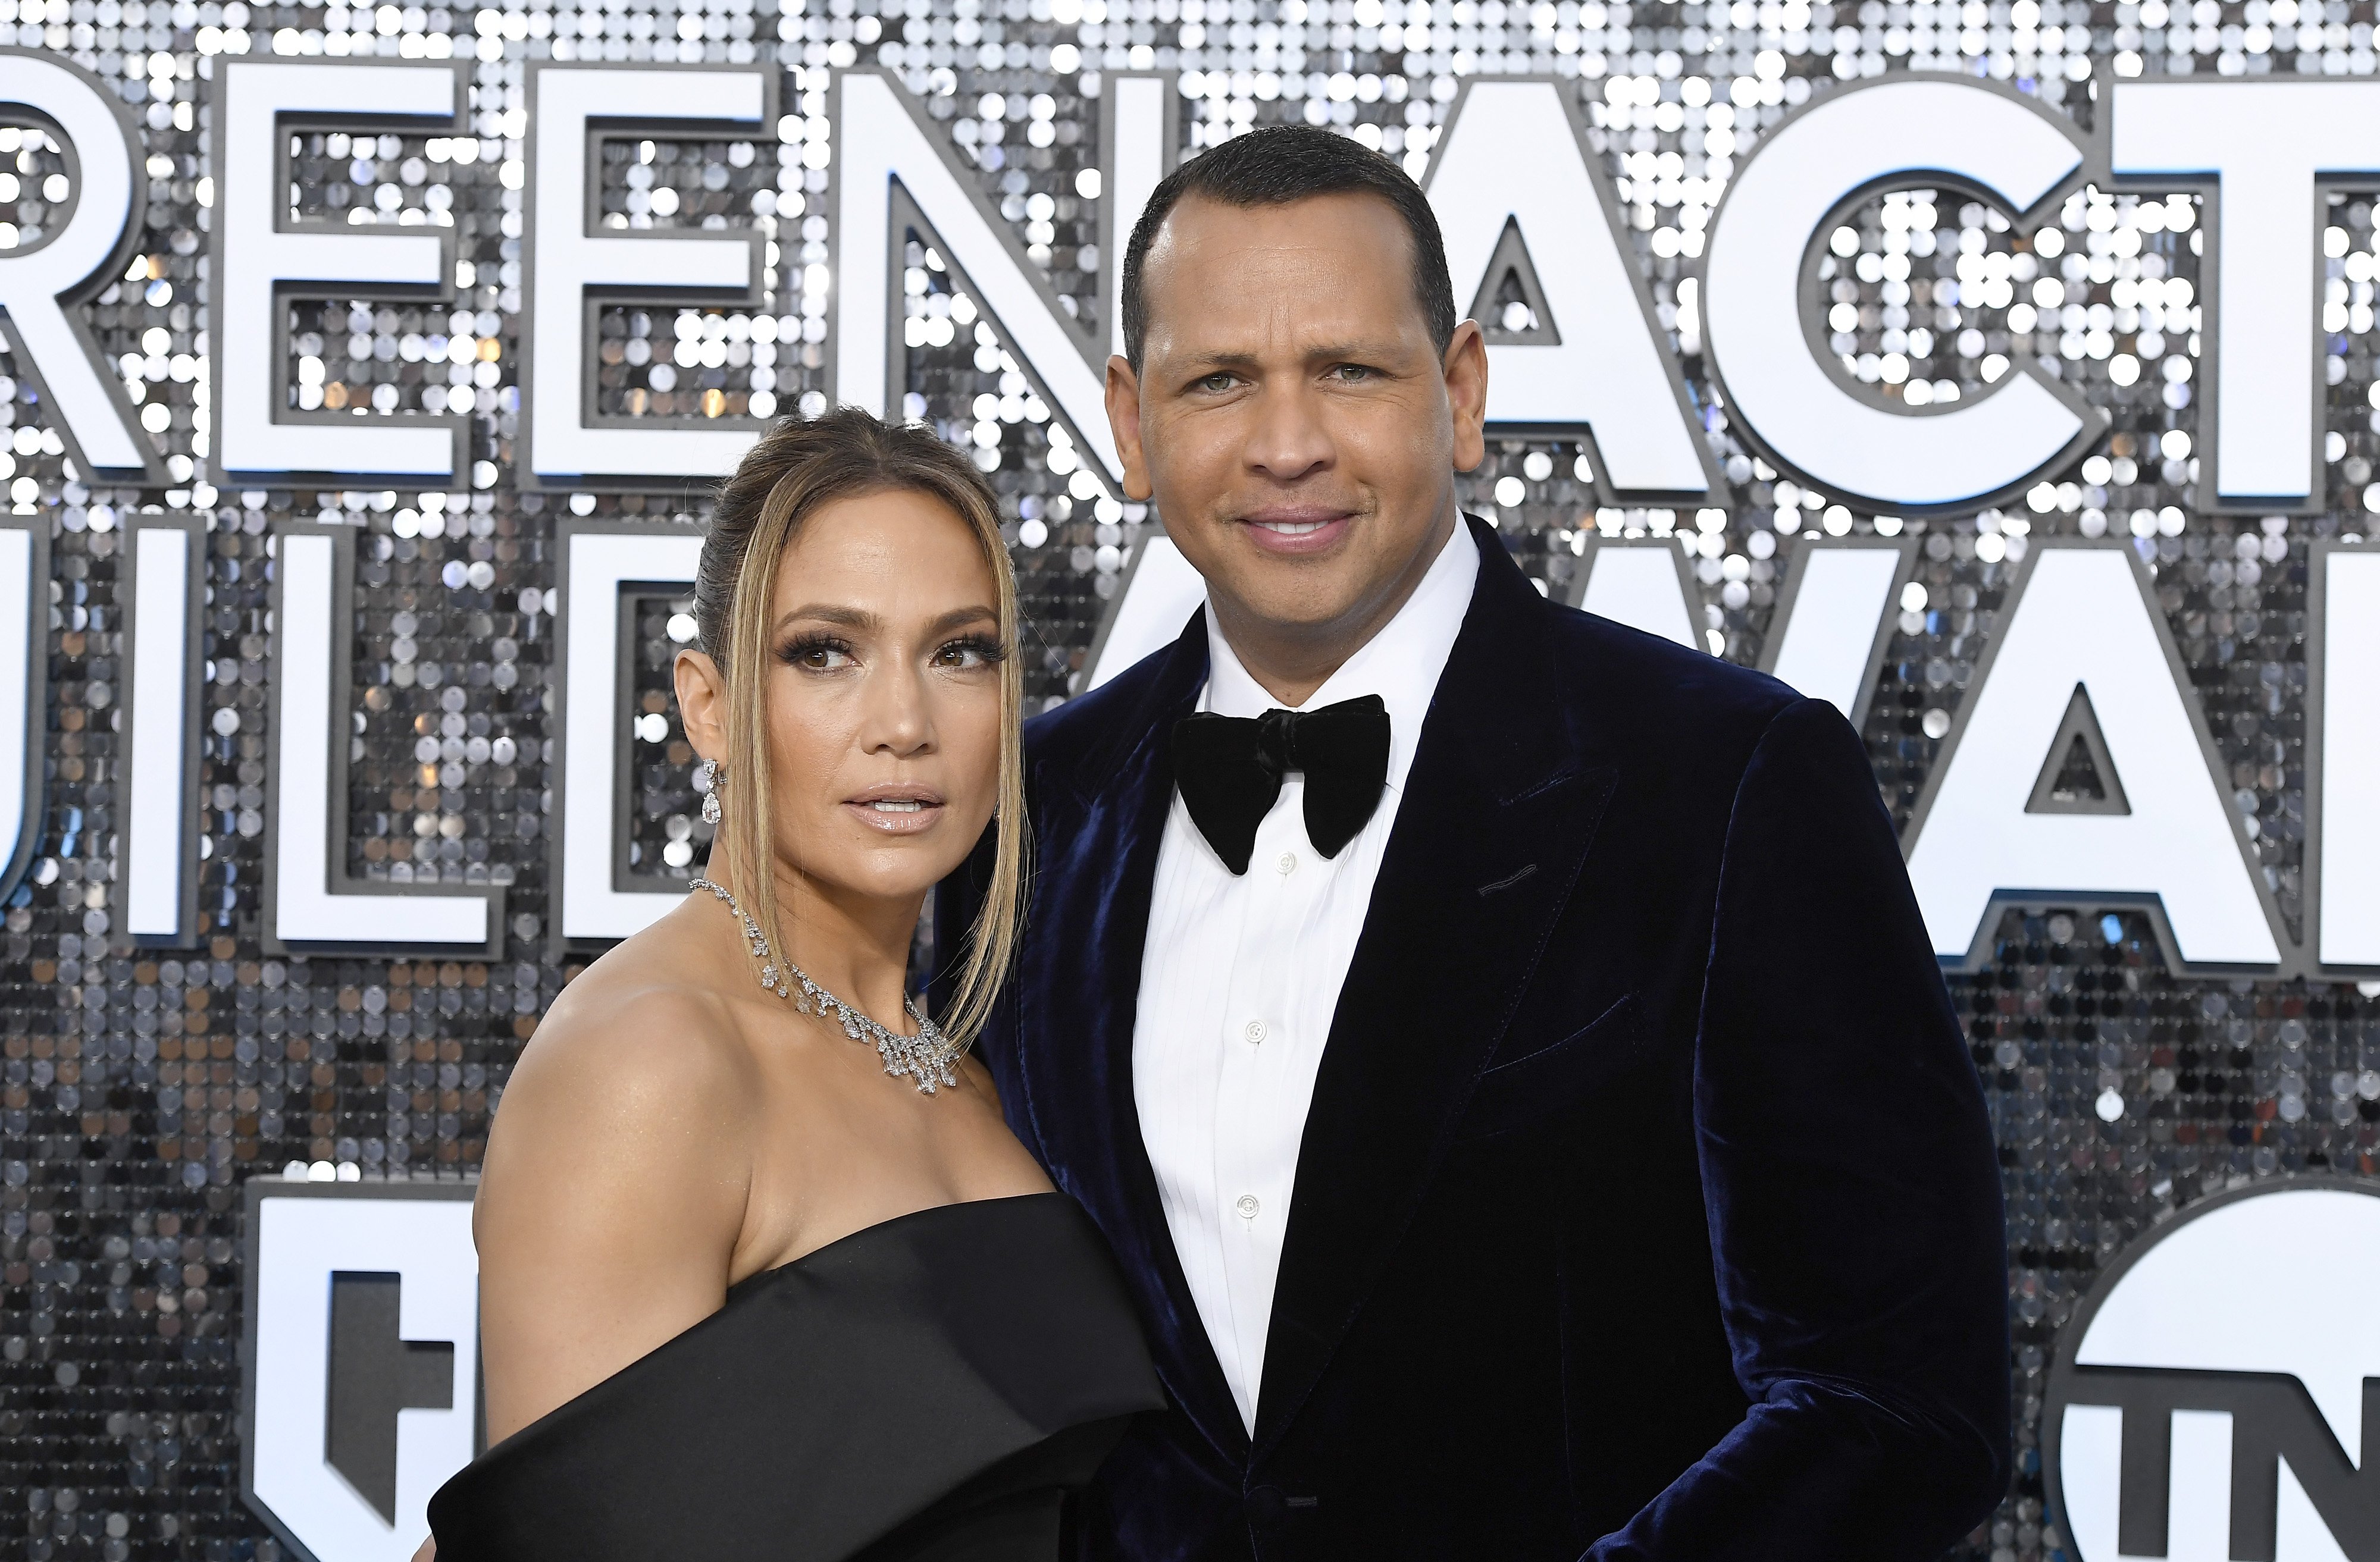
(795, 469)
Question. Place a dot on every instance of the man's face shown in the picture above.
(1297, 427)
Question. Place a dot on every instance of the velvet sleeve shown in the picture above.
(1852, 1190)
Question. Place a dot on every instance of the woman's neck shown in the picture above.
(854, 946)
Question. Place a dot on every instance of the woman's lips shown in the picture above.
(896, 816)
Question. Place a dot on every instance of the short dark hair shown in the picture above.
(1274, 166)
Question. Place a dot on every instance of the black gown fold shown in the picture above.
(928, 1388)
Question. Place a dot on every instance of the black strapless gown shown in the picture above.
(929, 1389)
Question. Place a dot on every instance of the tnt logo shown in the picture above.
(360, 1393)
(2216, 1399)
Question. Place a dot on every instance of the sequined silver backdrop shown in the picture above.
(141, 1086)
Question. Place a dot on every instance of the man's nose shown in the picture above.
(1290, 439)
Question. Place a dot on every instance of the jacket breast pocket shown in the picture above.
(1547, 1080)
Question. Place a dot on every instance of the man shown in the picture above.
(1518, 1086)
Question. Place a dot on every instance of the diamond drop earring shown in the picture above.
(711, 781)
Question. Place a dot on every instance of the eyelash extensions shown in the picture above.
(987, 649)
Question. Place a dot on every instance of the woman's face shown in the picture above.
(883, 696)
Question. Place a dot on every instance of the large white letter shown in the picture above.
(262, 259)
(1140, 129)
(1643, 584)
(1154, 600)
(54, 348)
(2343, 755)
(1904, 130)
(2082, 618)
(571, 268)
(1607, 368)
(2263, 147)
(167, 560)
(24, 691)
(892, 165)
(303, 1239)
(306, 885)
(1829, 631)
(597, 564)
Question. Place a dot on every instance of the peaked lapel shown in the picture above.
(1087, 930)
(1498, 798)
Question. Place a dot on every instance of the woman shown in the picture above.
(763, 1274)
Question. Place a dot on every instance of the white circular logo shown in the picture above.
(2216, 1398)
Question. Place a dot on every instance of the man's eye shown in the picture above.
(1218, 383)
(1352, 373)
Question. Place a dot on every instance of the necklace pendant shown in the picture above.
(925, 1058)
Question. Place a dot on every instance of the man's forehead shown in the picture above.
(1350, 222)
(1323, 267)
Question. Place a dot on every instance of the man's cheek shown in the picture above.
(1191, 480)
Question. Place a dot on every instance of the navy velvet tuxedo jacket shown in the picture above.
(1647, 1208)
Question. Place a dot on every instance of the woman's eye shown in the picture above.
(820, 655)
(967, 654)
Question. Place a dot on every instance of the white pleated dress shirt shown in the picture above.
(1240, 977)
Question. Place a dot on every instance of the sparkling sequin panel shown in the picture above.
(138, 1086)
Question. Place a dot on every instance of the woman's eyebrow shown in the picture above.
(830, 613)
(864, 621)
(958, 618)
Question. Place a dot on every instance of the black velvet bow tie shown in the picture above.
(1229, 770)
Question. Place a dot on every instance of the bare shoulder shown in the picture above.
(636, 1039)
(637, 1087)
(616, 1179)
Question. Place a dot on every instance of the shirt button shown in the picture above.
(1247, 1207)
(1254, 1032)
(1288, 862)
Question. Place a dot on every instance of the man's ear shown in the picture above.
(702, 703)
(1466, 393)
(1123, 417)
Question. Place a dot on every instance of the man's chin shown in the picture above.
(1314, 609)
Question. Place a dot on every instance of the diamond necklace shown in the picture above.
(926, 1056)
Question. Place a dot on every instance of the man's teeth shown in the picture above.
(1293, 528)
(897, 806)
